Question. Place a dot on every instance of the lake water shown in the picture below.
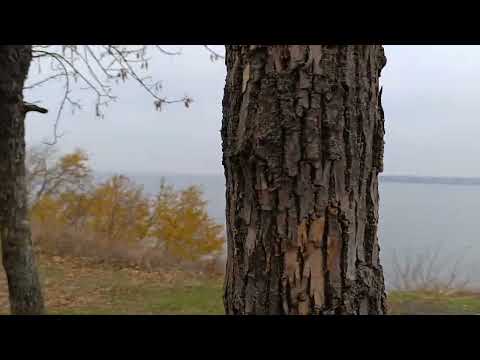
(415, 220)
(419, 219)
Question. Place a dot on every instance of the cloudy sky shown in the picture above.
(431, 99)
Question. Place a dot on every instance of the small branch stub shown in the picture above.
(32, 107)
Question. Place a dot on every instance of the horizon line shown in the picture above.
(173, 173)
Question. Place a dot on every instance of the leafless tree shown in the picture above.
(49, 174)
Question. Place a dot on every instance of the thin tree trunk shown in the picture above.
(302, 135)
(17, 252)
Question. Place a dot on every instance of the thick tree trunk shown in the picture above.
(303, 143)
(17, 252)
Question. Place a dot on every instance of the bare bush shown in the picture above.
(430, 272)
(67, 241)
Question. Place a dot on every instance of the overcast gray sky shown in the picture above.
(430, 96)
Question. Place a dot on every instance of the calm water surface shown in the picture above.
(415, 220)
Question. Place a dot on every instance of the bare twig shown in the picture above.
(162, 50)
(95, 66)
(213, 54)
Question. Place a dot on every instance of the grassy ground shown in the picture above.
(74, 286)
(428, 303)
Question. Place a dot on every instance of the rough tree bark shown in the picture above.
(17, 252)
(302, 133)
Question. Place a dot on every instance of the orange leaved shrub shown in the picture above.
(115, 220)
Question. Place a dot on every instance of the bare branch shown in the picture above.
(159, 101)
(213, 54)
(62, 60)
(54, 76)
(162, 50)
(62, 104)
(95, 67)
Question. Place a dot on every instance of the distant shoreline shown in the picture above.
(194, 178)
(429, 180)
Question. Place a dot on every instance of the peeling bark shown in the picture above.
(17, 252)
(302, 146)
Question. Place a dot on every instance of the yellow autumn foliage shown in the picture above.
(117, 213)
(181, 221)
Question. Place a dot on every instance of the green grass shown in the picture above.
(109, 291)
(425, 303)
(206, 299)
(195, 300)
(151, 300)
(76, 287)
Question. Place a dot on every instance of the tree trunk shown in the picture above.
(302, 135)
(17, 252)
